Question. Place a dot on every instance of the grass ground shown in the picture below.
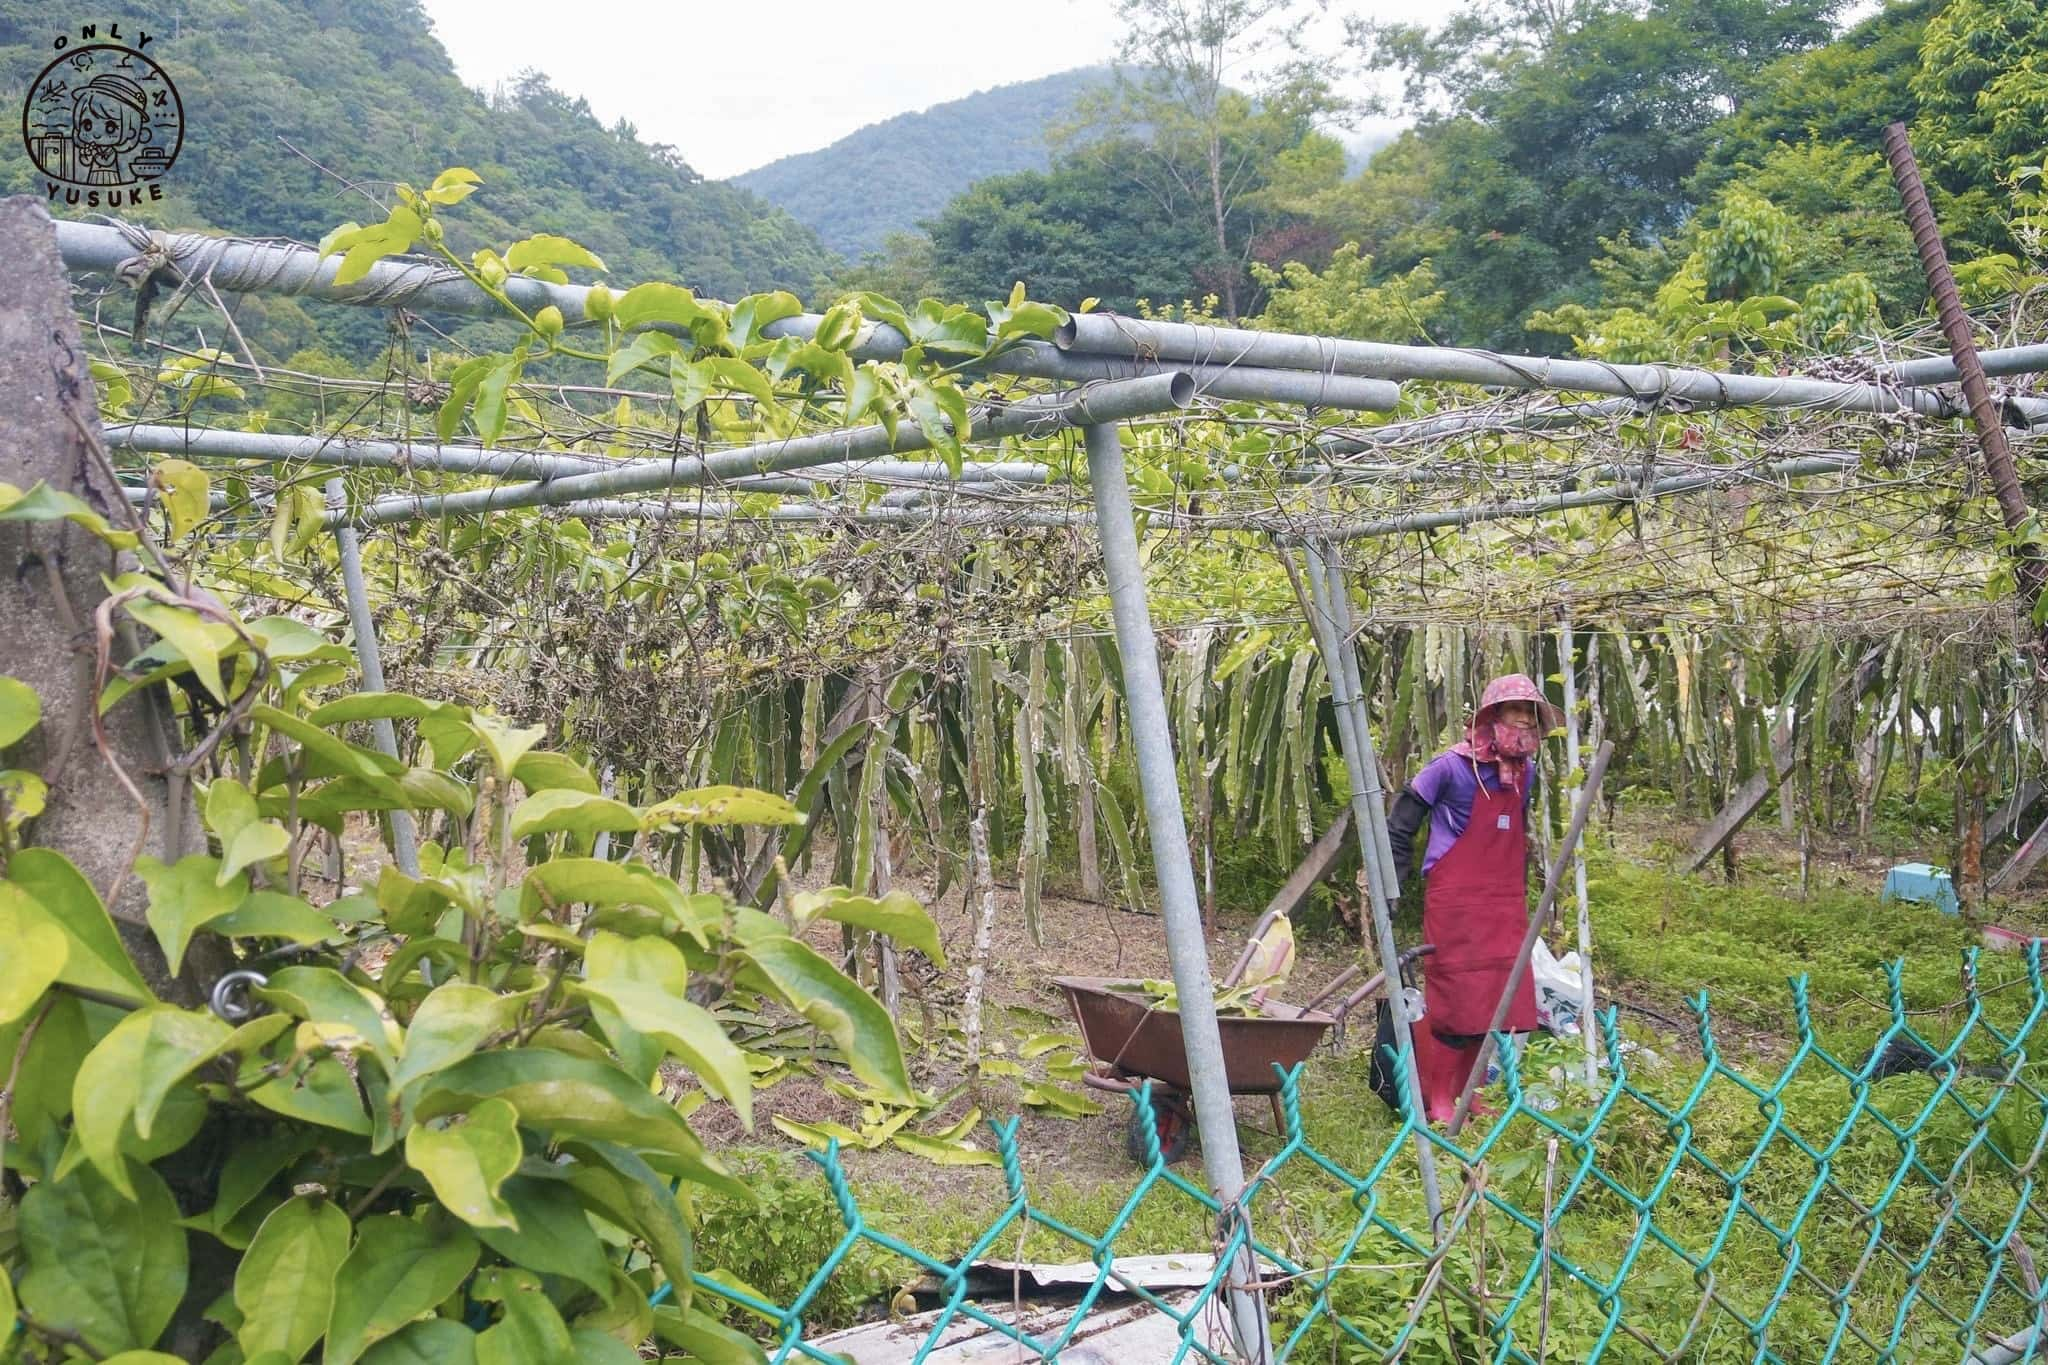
(1660, 939)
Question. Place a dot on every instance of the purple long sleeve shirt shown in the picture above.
(1450, 786)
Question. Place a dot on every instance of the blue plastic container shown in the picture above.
(1923, 884)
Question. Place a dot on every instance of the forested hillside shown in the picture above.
(891, 175)
(366, 90)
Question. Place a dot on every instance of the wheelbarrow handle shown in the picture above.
(1378, 979)
(1111, 1082)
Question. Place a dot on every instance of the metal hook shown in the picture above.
(236, 984)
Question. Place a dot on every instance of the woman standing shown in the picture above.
(1475, 899)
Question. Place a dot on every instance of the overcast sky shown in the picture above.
(734, 84)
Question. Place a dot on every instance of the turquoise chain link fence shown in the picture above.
(1873, 1202)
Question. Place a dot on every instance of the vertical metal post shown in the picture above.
(1568, 665)
(1180, 906)
(404, 846)
(1331, 611)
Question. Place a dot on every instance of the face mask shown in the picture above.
(1510, 742)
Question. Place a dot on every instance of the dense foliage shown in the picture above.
(892, 174)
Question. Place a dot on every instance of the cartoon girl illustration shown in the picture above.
(108, 123)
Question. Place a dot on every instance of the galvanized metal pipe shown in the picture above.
(1040, 414)
(1180, 905)
(1104, 334)
(348, 452)
(404, 844)
(983, 514)
(1589, 497)
(1567, 665)
(427, 286)
(1369, 825)
(1941, 369)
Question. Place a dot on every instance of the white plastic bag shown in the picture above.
(1559, 982)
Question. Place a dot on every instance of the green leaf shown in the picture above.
(729, 372)
(706, 1339)
(624, 1188)
(324, 755)
(44, 503)
(453, 185)
(840, 326)
(569, 1097)
(272, 914)
(367, 245)
(426, 789)
(898, 915)
(34, 957)
(643, 348)
(284, 1285)
(603, 885)
(593, 1347)
(640, 982)
(185, 486)
(101, 1264)
(564, 808)
(399, 1270)
(754, 312)
(852, 1018)
(258, 1161)
(20, 709)
(183, 899)
(245, 837)
(128, 1075)
(491, 396)
(371, 706)
(542, 770)
(505, 744)
(468, 1161)
(323, 1093)
(347, 1016)
(546, 248)
(42, 1092)
(655, 303)
(723, 805)
(200, 641)
(436, 1341)
(530, 1331)
(689, 383)
(553, 1234)
(96, 960)
(448, 1025)
(948, 328)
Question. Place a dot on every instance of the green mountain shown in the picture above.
(895, 174)
(365, 89)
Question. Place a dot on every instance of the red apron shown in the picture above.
(1475, 910)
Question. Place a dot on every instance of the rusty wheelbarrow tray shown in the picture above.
(1134, 1040)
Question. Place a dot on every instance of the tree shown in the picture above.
(1553, 128)
(1078, 231)
(1842, 93)
(1209, 141)
(1983, 92)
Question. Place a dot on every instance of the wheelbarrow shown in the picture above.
(1133, 1040)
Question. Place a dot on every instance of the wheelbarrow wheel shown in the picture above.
(1170, 1119)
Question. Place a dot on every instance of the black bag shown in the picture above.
(1381, 1074)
